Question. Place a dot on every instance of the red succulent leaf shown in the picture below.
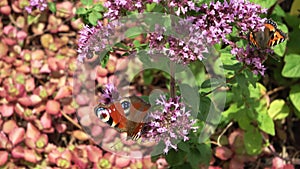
(214, 167)
(18, 152)
(80, 135)
(63, 163)
(3, 49)
(52, 63)
(5, 10)
(31, 156)
(82, 99)
(64, 9)
(102, 164)
(7, 110)
(96, 131)
(69, 109)
(21, 35)
(60, 128)
(8, 126)
(53, 156)
(23, 68)
(122, 162)
(3, 157)
(37, 54)
(63, 92)
(102, 72)
(80, 162)
(94, 153)
(45, 69)
(29, 84)
(30, 143)
(147, 163)
(236, 163)
(4, 143)
(66, 154)
(53, 107)
(110, 157)
(42, 141)
(46, 120)
(161, 163)
(25, 101)
(32, 132)
(111, 66)
(16, 135)
(35, 99)
(223, 153)
(289, 166)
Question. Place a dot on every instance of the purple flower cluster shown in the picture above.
(95, 39)
(170, 124)
(216, 20)
(252, 57)
(119, 8)
(187, 47)
(84, 35)
(36, 4)
(110, 94)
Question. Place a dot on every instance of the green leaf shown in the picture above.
(280, 49)
(279, 11)
(278, 109)
(190, 95)
(194, 157)
(295, 96)
(104, 60)
(175, 157)
(230, 113)
(205, 154)
(295, 8)
(52, 7)
(133, 32)
(81, 11)
(87, 2)
(184, 146)
(204, 108)
(150, 7)
(148, 76)
(292, 66)
(253, 141)
(230, 64)
(94, 17)
(265, 123)
(293, 36)
(98, 8)
(264, 3)
(32, 19)
(243, 119)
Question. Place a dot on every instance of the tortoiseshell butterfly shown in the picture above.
(126, 115)
(270, 37)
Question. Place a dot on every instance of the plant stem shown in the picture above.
(172, 80)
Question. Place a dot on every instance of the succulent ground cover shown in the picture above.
(43, 42)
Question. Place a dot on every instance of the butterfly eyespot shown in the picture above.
(103, 114)
(125, 105)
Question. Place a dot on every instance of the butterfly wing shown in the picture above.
(270, 37)
(135, 119)
(126, 115)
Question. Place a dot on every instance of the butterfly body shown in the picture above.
(126, 115)
(267, 38)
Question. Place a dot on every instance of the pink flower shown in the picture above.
(169, 124)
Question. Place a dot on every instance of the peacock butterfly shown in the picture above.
(126, 115)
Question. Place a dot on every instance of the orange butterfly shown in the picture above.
(270, 37)
(126, 115)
